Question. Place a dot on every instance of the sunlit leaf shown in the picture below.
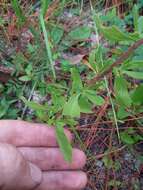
(85, 105)
(24, 78)
(94, 98)
(71, 108)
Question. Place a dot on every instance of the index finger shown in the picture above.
(22, 133)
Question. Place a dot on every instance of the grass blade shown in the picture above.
(47, 43)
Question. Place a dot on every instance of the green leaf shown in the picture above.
(71, 108)
(134, 64)
(134, 74)
(95, 99)
(57, 34)
(25, 78)
(3, 110)
(137, 95)
(64, 144)
(127, 139)
(85, 106)
(80, 33)
(115, 34)
(135, 16)
(33, 105)
(108, 162)
(122, 113)
(115, 183)
(2, 21)
(121, 91)
(48, 46)
(138, 138)
(44, 6)
(76, 80)
(18, 11)
(140, 24)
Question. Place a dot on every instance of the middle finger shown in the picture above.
(52, 158)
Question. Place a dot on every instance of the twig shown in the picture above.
(119, 61)
(51, 9)
(99, 156)
(95, 127)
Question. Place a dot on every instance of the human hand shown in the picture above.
(31, 160)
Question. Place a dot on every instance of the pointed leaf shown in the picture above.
(71, 107)
(76, 80)
(140, 24)
(64, 144)
(57, 34)
(137, 95)
(115, 34)
(95, 99)
(121, 91)
(122, 113)
(33, 105)
(134, 74)
(127, 139)
(25, 78)
(85, 106)
(135, 16)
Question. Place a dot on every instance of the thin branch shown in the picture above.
(119, 61)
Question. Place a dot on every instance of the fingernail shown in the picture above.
(36, 173)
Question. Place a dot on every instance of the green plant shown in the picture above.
(118, 53)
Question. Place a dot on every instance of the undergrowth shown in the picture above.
(81, 62)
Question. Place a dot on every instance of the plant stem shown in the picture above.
(48, 48)
(105, 79)
(119, 61)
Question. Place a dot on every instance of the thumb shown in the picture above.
(15, 172)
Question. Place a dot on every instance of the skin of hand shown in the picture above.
(31, 160)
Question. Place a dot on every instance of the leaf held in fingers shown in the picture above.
(64, 144)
